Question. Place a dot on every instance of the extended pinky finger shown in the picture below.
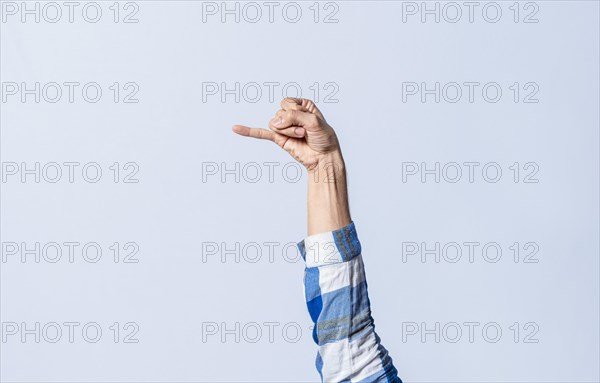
(262, 134)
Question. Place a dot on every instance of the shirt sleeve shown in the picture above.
(335, 288)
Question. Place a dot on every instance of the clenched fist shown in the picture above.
(300, 129)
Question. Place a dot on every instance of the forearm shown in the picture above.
(328, 207)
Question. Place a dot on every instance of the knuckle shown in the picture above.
(290, 102)
(310, 106)
(287, 101)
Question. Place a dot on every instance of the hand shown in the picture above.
(300, 129)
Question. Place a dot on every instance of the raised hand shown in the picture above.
(300, 129)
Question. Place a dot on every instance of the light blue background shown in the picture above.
(170, 133)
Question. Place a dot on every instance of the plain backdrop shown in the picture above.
(179, 300)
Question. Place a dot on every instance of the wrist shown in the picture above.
(330, 168)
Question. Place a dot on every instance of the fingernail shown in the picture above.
(299, 131)
(276, 121)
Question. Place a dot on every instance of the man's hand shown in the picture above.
(300, 129)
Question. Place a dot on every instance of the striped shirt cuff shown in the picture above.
(335, 290)
(331, 247)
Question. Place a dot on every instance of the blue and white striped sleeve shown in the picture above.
(336, 295)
